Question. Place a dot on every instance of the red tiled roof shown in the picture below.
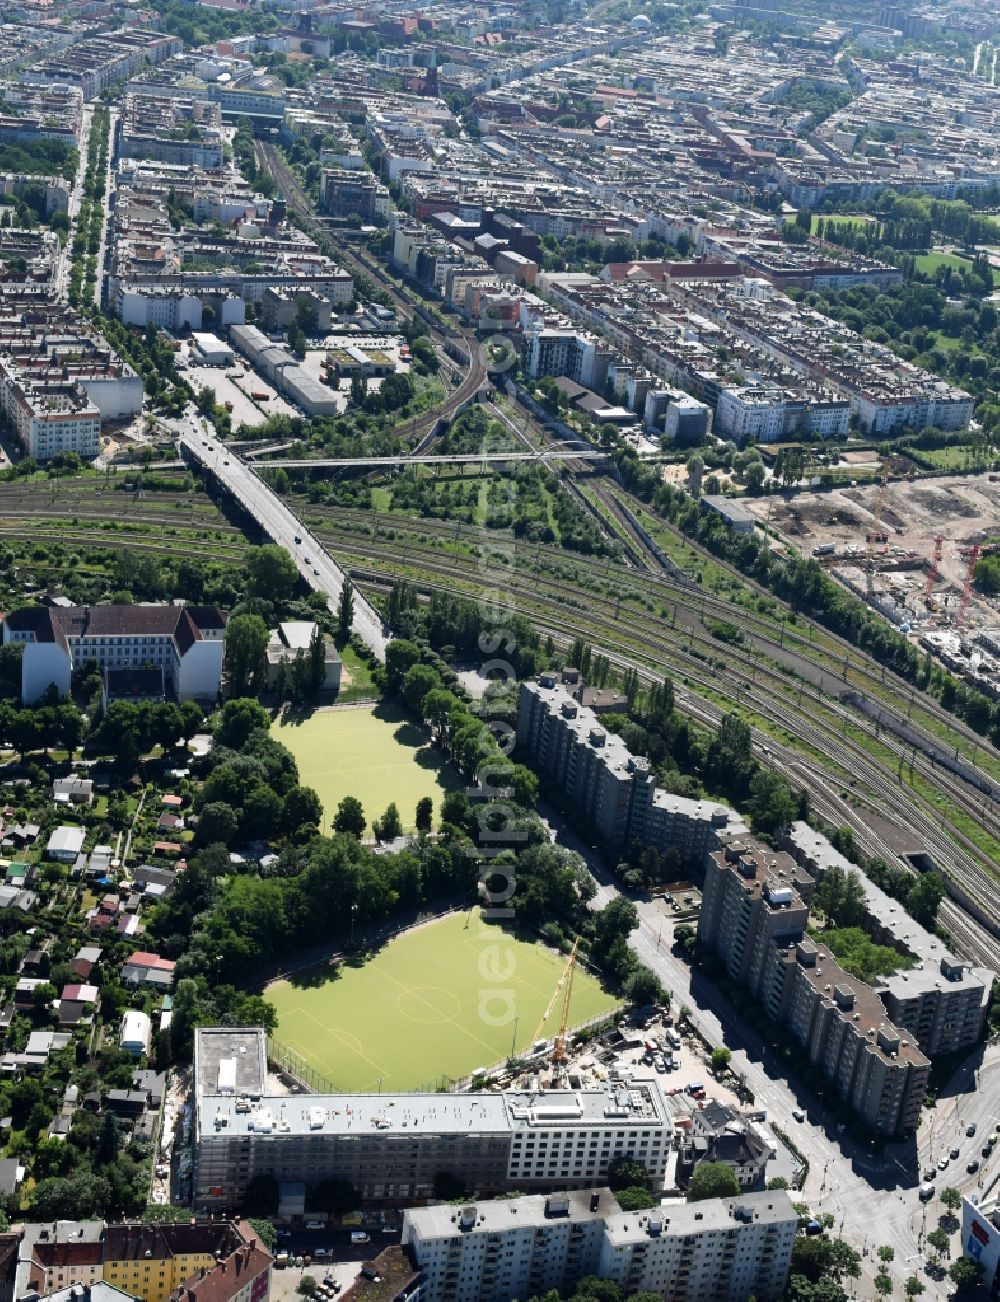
(141, 958)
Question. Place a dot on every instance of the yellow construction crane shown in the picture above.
(565, 987)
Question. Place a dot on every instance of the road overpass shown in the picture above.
(429, 459)
(279, 522)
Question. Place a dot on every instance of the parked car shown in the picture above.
(359, 1236)
(798, 1114)
(970, 1129)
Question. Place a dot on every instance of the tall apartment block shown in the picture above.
(722, 1248)
(942, 1000)
(394, 1146)
(753, 916)
(567, 743)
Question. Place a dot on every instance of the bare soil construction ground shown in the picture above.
(962, 508)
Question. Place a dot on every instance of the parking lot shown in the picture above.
(234, 385)
(329, 1256)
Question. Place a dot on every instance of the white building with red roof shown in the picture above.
(184, 644)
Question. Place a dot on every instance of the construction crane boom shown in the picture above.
(564, 986)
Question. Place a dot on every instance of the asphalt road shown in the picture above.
(64, 261)
(872, 1198)
(317, 568)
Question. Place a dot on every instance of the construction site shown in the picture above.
(908, 547)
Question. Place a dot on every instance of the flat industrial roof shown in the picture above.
(245, 1109)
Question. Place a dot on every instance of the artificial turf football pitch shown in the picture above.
(432, 1005)
(376, 754)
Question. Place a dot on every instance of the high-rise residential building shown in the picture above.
(731, 1248)
(396, 1146)
(941, 1000)
(754, 916)
(570, 746)
(516, 1248)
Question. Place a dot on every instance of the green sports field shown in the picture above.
(376, 754)
(437, 1001)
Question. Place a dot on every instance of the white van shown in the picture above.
(359, 1236)
(315, 1225)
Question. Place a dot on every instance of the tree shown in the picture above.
(940, 1242)
(713, 1180)
(816, 1256)
(400, 656)
(217, 824)
(317, 661)
(425, 814)
(951, 1198)
(635, 1199)
(390, 825)
(720, 1059)
(334, 1197)
(418, 683)
(345, 610)
(108, 1139)
(883, 1283)
(271, 573)
(308, 1285)
(261, 1196)
(913, 1287)
(350, 817)
(966, 1274)
(755, 477)
(302, 808)
(191, 719)
(777, 1182)
(886, 1253)
(246, 654)
(240, 717)
(627, 1173)
(266, 1232)
(68, 1197)
(923, 898)
(643, 987)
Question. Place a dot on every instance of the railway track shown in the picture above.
(406, 303)
(551, 603)
(957, 855)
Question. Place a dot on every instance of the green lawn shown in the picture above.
(375, 753)
(428, 1005)
(928, 263)
(839, 219)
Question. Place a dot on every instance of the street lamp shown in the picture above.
(354, 914)
(513, 1038)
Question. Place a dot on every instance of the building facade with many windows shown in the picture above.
(184, 643)
(394, 1147)
(732, 1248)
